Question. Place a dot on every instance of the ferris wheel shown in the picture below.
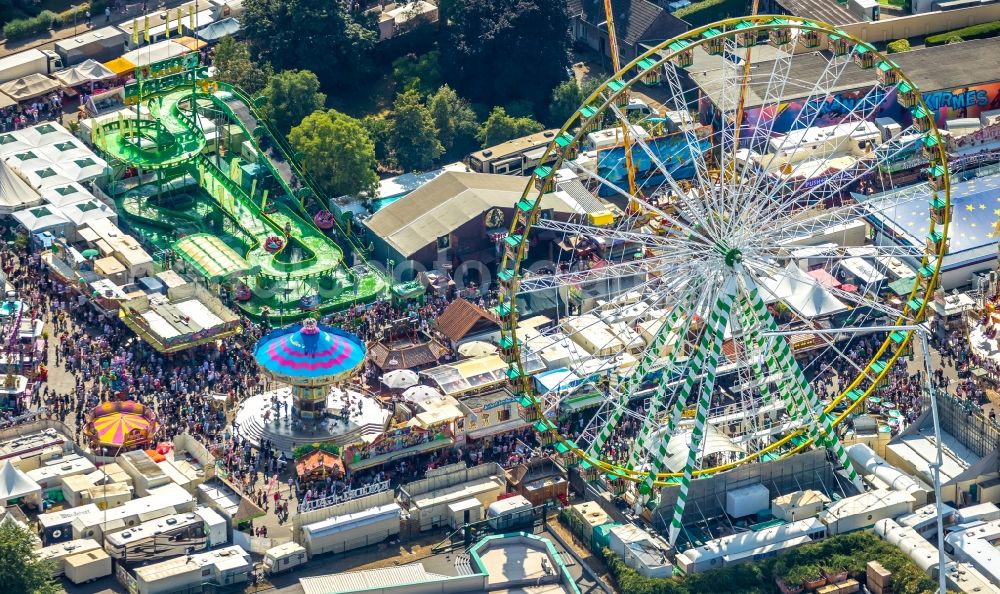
(722, 262)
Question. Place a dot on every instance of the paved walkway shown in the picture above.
(48, 40)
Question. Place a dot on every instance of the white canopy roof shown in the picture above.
(14, 483)
(679, 446)
(29, 87)
(67, 194)
(85, 72)
(40, 218)
(801, 292)
(15, 193)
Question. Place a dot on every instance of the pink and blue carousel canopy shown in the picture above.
(310, 353)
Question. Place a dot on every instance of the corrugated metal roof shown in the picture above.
(371, 579)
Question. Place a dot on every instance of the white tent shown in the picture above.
(805, 295)
(14, 484)
(85, 211)
(47, 133)
(84, 72)
(28, 160)
(41, 218)
(47, 177)
(15, 193)
(84, 168)
(29, 87)
(60, 152)
(67, 194)
(679, 446)
(13, 142)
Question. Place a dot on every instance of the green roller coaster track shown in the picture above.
(173, 146)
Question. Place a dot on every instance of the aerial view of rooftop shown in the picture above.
(500, 296)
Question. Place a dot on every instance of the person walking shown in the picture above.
(107, 14)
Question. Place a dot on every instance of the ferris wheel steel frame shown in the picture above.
(819, 427)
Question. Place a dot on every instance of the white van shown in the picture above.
(284, 557)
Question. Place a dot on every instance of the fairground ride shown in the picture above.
(688, 352)
(181, 192)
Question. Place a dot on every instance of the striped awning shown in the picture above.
(211, 257)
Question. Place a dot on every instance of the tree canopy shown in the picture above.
(419, 73)
(454, 119)
(413, 140)
(292, 95)
(20, 569)
(316, 35)
(336, 151)
(501, 127)
(567, 98)
(502, 50)
(234, 65)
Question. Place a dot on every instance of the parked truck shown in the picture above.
(33, 61)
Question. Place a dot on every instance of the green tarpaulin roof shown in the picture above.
(212, 258)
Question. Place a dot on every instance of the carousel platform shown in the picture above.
(257, 420)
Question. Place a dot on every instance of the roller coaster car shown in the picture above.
(242, 293)
(309, 302)
(324, 220)
(273, 244)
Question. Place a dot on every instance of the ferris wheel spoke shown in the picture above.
(835, 184)
(809, 402)
(697, 211)
(689, 127)
(594, 176)
(773, 92)
(629, 269)
(787, 228)
(670, 240)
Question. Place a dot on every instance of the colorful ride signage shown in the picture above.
(163, 77)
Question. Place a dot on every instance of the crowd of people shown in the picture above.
(25, 114)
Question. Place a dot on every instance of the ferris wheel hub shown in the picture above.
(731, 255)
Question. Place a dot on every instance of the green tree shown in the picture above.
(454, 119)
(337, 152)
(316, 35)
(499, 51)
(20, 569)
(292, 95)
(567, 98)
(418, 73)
(501, 127)
(234, 65)
(379, 129)
(900, 45)
(414, 140)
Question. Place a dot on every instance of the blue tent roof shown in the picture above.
(219, 29)
(310, 352)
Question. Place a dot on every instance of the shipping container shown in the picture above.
(747, 501)
(57, 526)
(58, 553)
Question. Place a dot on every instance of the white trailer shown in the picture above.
(351, 531)
(33, 61)
(510, 512)
(284, 557)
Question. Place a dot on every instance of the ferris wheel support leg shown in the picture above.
(649, 424)
(751, 324)
(624, 387)
(711, 341)
(783, 354)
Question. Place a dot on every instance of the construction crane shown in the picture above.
(616, 66)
